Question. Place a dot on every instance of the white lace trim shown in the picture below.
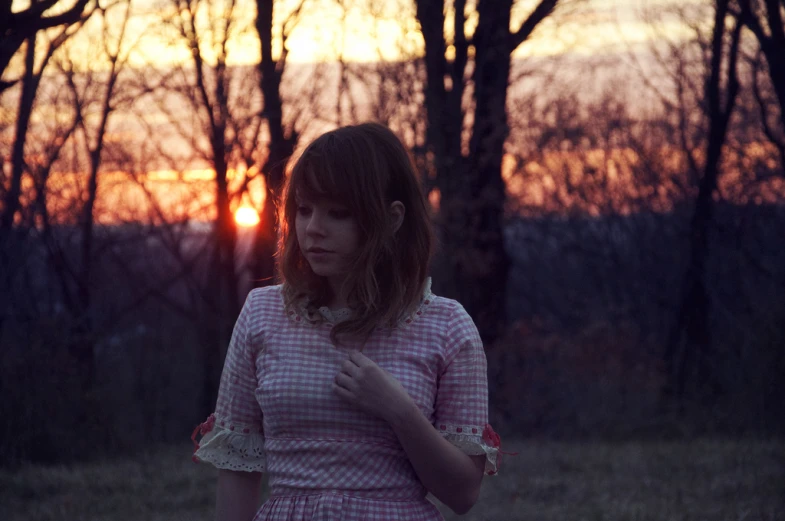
(472, 444)
(335, 316)
(233, 450)
(301, 311)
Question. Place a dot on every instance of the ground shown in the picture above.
(702, 480)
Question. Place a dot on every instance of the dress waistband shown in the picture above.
(407, 495)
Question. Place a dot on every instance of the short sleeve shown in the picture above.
(232, 437)
(461, 411)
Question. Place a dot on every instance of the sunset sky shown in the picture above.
(370, 30)
(362, 30)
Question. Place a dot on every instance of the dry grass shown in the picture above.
(678, 481)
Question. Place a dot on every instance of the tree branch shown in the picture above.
(32, 20)
(544, 9)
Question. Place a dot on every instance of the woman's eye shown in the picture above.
(340, 213)
(303, 210)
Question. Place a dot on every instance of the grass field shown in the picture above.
(679, 481)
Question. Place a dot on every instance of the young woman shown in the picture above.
(350, 384)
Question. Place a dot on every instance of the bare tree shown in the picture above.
(768, 27)
(17, 27)
(56, 211)
(29, 85)
(767, 24)
(282, 140)
(688, 347)
(31, 79)
(469, 178)
(95, 100)
(200, 92)
(232, 118)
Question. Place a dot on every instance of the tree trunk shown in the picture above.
(472, 264)
(84, 349)
(489, 265)
(280, 149)
(688, 351)
(29, 88)
(223, 295)
(443, 136)
(773, 49)
(229, 294)
(770, 33)
(223, 283)
(11, 197)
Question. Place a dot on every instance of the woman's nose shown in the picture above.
(315, 224)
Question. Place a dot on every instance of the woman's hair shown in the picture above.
(364, 167)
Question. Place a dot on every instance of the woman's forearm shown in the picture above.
(450, 475)
(237, 495)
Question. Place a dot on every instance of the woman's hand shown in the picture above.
(366, 385)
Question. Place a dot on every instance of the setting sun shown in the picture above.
(246, 216)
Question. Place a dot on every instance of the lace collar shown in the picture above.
(326, 315)
(335, 316)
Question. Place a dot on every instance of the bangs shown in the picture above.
(316, 176)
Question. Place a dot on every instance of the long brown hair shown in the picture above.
(364, 167)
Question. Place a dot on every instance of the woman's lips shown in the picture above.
(319, 255)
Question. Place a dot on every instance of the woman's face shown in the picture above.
(328, 236)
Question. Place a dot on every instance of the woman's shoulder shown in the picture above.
(447, 315)
(435, 305)
(265, 302)
(273, 291)
(446, 309)
(263, 313)
(455, 327)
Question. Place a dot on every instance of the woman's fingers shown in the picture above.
(345, 381)
(359, 358)
(343, 393)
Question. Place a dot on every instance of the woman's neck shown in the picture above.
(339, 296)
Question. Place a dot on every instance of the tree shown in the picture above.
(282, 142)
(689, 344)
(768, 26)
(16, 27)
(469, 178)
(32, 73)
(94, 132)
(238, 131)
(223, 131)
(66, 105)
(31, 78)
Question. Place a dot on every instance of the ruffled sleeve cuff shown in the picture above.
(475, 441)
(230, 447)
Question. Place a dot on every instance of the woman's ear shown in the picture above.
(397, 212)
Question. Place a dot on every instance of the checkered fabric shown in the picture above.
(325, 459)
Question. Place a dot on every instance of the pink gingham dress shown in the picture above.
(325, 459)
